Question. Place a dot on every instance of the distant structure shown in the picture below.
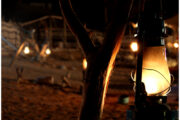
(11, 32)
(51, 30)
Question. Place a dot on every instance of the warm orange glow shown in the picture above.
(169, 44)
(48, 51)
(109, 69)
(84, 64)
(176, 45)
(26, 50)
(155, 73)
(134, 25)
(134, 46)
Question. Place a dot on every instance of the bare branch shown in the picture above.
(76, 27)
(101, 64)
(116, 29)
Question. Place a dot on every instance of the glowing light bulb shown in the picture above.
(48, 51)
(26, 50)
(176, 45)
(84, 64)
(134, 46)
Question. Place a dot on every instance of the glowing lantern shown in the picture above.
(48, 51)
(84, 64)
(26, 50)
(155, 72)
(134, 46)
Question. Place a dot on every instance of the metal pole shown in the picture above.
(138, 92)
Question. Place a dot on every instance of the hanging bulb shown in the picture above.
(155, 72)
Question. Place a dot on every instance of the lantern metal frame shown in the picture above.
(151, 31)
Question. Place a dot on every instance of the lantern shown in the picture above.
(152, 75)
(152, 67)
(155, 72)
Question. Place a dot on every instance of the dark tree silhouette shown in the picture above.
(100, 59)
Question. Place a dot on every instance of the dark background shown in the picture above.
(91, 12)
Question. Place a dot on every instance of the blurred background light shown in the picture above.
(134, 46)
(48, 51)
(26, 50)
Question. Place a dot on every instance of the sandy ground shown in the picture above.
(27, 101)
(41, 102)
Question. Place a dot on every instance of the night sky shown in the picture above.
(90, 12)
(25, 10)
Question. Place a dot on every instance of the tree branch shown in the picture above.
(76, 27)
(101, 65)
(100, 62)
(116, 29)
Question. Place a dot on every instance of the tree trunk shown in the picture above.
(100, 60)
(96, 83)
